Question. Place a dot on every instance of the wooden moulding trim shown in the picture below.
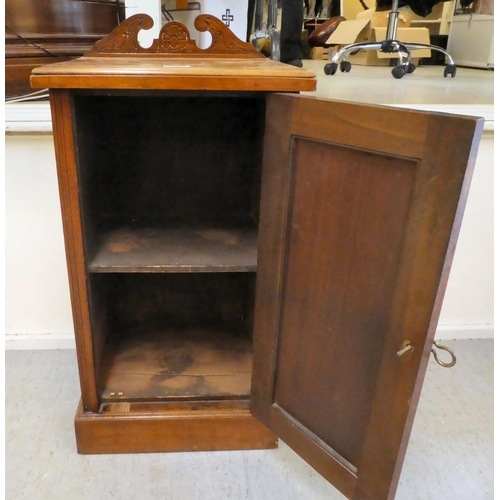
(73, 239)
(154, 433)
(61, 44)
(362, 127)
(267, 84)
(173, 39)
(274, 210)
(41, 37)
(31, 51)
(313, 453)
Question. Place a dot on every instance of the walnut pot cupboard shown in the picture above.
(246, 262)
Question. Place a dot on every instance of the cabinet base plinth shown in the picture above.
(163, 427)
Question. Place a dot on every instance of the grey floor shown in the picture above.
(426, 86)
(450, 456)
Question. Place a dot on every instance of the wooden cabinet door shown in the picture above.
(360, 212)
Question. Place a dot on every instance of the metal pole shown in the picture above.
(392, 24)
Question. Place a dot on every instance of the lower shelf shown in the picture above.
(145, 364)
(161, 427)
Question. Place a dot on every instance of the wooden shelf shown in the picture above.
(176, 250)
(146, 363)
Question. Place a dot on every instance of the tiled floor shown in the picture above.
(450, 456)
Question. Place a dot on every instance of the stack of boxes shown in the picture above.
(371, 26)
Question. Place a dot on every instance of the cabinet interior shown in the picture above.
(169, 197)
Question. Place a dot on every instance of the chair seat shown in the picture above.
(322, 33)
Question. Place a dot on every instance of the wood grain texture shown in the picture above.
(176, 335)
(174, 62)
(253, 83)
(169, 363)
(174, 39)
(380, 254)
(212, 427)
(172, 407)
(62, 17)
(40, 32)
(346, 225)
(273, 213)
(434, 224)
(174, 74)
(73, 240)
(40, 45)
(166, 67)
(361, 126)
(18, 71)
(186, 250)
(315, 452)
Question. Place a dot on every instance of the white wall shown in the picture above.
(37, 302)
(468, 305)
(232, 12)
(151, 7)
(38, 311)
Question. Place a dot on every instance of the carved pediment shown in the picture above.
(173, 39)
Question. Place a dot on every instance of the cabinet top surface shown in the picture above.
(173, 62)
(167, 66)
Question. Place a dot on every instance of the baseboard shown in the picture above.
(463, 332)
(27, 341)
(67, 340)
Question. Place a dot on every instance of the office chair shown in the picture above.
(389, 45)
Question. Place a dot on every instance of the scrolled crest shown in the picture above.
(173, 40)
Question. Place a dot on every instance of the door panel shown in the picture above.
(345, 232)
(354, 251)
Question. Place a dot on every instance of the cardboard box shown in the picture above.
(380, 19)
(370, 27)
(320, 53)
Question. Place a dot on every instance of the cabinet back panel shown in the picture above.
(184, 159)
(224, 300)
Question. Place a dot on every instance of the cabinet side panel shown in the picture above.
(73, 239)
(86, 136)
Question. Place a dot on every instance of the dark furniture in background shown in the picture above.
(45, 31)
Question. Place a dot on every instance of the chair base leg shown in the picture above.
(403, 51)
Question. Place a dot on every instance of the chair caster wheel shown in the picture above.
(411, 68)
(330, 68)
(451, 70)
(345, 66)
(398, 72)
